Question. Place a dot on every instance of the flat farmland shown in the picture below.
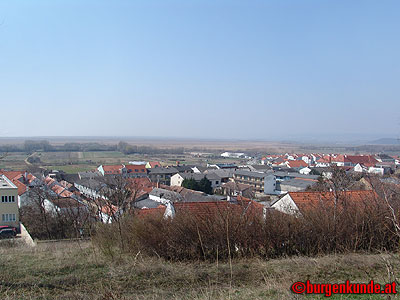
(73, 162)
(198, 152)
(14, 160)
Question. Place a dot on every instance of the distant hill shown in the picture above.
(385, 141)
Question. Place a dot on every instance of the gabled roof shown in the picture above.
(151, 212)
(136, 168)
(58, 189)
(297, 164)
(11, 174)
(231, 185)
(19, 180)
(21, 187)
(304, 200)
(192, 195)
(356, 159)
(154, 164)
(49, 181)
(166, 194)
(112, 169)
(66, 194)
(362, 159)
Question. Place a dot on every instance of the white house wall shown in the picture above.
(286, 205)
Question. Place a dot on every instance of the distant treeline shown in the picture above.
(132, 149)
(30, 146)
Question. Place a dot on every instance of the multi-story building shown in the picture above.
(9, 215)
(162, 175)
(255, 179)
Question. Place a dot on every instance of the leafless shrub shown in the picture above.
(321, 229)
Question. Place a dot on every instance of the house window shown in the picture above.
(8, 217)
(6, 199)
(217, 182)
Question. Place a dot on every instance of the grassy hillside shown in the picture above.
(71, 270)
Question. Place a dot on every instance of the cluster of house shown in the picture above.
(376, 164)
(157, 188)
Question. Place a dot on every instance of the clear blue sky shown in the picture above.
(210, 69)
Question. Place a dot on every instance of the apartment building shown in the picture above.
(254, 179)
(9, 215)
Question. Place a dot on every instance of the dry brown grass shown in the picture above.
(72, 270)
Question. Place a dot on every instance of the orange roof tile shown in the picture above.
(136, 168)
(57, 189)
(297, 164)
(305, 200)
(112, 169)
(154, 164)
(153, 212)
(66, 194)
(21, 187)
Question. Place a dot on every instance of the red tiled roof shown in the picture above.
(112, 169)
(154, 164)
(66, 194)
(251, 205)
(155, 212)
(141, 182)
(325, 160)
(109, 210)
(297, 164)
(362, 159)
(49, 181)
(236, 186)
(136, 168)
(13, 176)
(140, 185)
(356, 159)
(21, 187)
(304, 200)
(58, 189)
(306, 179)
(65, 184)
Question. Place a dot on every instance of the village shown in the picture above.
(282, 183)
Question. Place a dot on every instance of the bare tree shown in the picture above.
(118, 198)
(37, 208)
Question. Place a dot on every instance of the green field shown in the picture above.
(72, 270)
